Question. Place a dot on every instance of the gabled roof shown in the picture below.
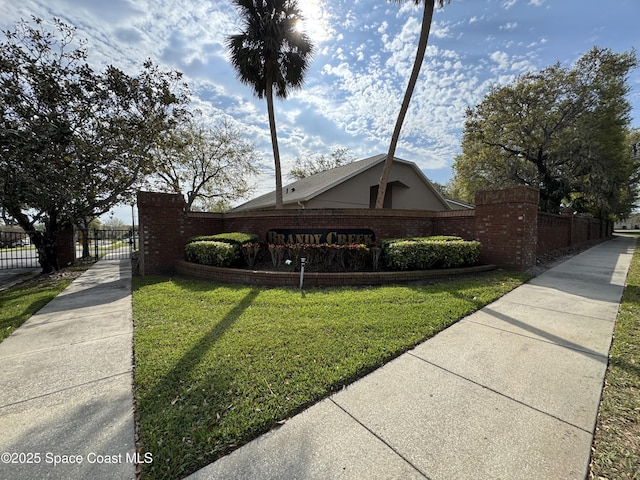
(314, 185)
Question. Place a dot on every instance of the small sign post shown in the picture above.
(303, 261)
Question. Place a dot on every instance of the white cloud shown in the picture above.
(440, 30)
(508, 26)
(502, 60)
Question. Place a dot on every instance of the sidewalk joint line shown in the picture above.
(394, 450)
(64, 345)
(531, 407)
(84, 384)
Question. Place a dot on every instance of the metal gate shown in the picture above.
(16, 251)
(108, 244)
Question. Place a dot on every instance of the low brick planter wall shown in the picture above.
(314, 279)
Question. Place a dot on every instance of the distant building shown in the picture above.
(459, 204)
(11, 236)
(355, 185)
(631, 223)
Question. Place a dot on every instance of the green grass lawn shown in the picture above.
(18, 303)
(217, 365)
(616, 453)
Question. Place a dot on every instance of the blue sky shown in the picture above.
(364, 52)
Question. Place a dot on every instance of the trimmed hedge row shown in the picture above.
(207, 252)
(430, 252)
(234, 238)
(221, 250)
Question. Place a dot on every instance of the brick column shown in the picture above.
(161, 218)
(507, 226)
(66, 247)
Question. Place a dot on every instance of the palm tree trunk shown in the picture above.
(274, 143)
(417, 64)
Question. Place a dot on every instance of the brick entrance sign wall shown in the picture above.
(507, 223)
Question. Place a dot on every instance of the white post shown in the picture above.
(303, 260)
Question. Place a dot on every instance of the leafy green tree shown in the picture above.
(212, 166)
(73, 142)
(317, 163)
(562, 130)
(271, 54)
(427, 16)
(631, 194)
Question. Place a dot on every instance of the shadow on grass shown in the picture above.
(206, 414)
(11, 323)
(175, 393)
(630, 368)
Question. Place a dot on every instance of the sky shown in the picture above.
(364, 51)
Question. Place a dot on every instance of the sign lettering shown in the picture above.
(320, 236)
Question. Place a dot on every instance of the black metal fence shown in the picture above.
(109, 244)
(16, 251)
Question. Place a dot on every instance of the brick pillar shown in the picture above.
(507, 226)
(161, 218)
(66, 247)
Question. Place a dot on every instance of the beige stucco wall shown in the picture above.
(628, 224)
(354, 193)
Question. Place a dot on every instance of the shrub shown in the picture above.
(443, 238)
(217, 254)
(250, 252)
(221, 250)
(233, 238)
(430, 252)
(322, 257)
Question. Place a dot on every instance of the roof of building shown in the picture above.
(310, 187)
(456, 204)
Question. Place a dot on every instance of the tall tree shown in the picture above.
(562, 130)
(271, 53)
(73, 142)
(312, 164)
(427, 16)
(209, 165)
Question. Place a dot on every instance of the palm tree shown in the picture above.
(422, 48)
(270, 54)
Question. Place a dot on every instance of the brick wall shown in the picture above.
(66, 247)
(554, 232)
(506, 225)
(460, 223)
(292, 279)
(164, 229)
(507, 222)
(385, 224)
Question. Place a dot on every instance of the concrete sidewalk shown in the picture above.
(510, 392)
(66, 383)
